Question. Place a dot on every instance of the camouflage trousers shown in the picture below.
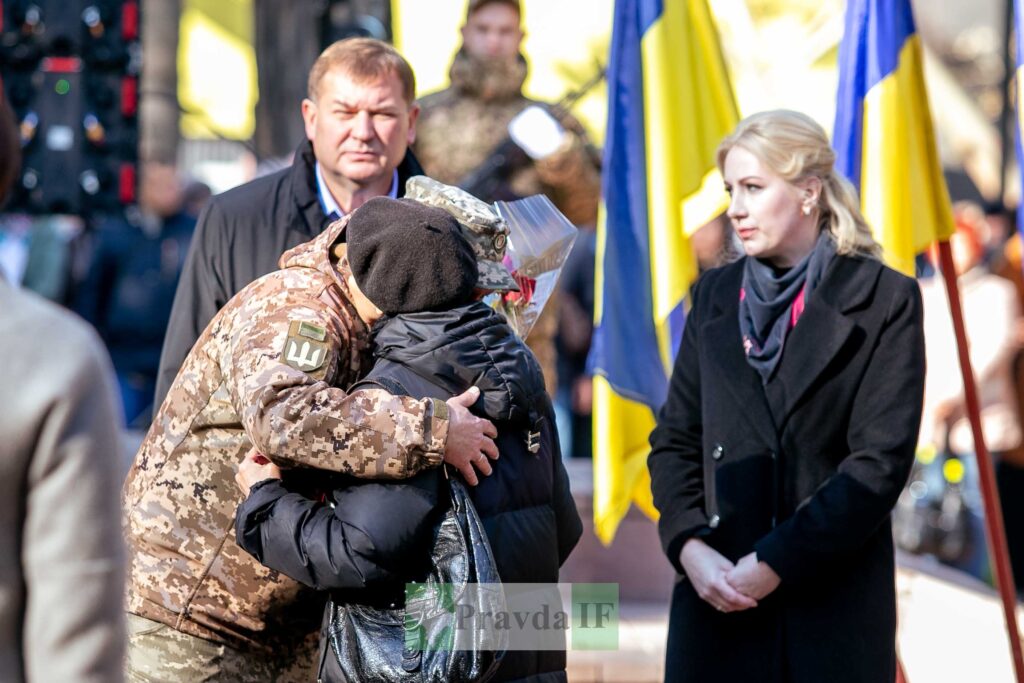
(159, 654)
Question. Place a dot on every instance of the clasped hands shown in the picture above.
(726, 586)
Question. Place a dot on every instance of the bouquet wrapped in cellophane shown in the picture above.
(540, 239)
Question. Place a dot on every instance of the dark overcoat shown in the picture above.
(804, 470)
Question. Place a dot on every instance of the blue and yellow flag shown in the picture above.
(669, 105)
(883, 135)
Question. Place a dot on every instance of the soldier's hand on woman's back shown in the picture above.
(470, 438)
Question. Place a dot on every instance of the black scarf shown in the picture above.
(767, 302)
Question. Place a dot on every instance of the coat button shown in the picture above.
(713, 522)
(717, 452)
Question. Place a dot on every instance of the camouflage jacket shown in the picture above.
(460, 126)
(264, 373)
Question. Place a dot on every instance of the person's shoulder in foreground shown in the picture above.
(60, 600)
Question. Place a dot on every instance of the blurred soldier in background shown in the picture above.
(465, 131)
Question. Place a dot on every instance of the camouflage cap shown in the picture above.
(483, 228)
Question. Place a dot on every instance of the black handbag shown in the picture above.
(420, 642)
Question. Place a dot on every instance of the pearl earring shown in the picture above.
(806, 210)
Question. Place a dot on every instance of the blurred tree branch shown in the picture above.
(287, 44)
(289, 36)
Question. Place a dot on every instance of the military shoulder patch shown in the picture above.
(305, 348)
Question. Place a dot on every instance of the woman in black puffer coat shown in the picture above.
(377, 535)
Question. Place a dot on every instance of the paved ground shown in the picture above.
(641, 654)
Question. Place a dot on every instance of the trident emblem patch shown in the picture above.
(306, 348)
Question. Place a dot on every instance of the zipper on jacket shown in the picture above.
(325, 649)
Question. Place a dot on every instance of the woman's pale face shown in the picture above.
(767, 211)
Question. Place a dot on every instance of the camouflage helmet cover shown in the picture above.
(483, 228)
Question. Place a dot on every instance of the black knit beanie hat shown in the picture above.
(408, 257)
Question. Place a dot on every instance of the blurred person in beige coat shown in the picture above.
(62, 561)
(991, 315)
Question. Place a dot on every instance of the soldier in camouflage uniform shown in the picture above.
(460, 126)
(264, 374)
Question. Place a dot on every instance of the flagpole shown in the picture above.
(995, 531)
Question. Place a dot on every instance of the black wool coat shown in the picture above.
(804, 470)
(239, 238)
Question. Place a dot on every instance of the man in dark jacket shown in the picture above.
(129, 289)
(410, 263)
(360, 117)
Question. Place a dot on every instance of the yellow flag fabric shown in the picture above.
(884, 138)
(670, 104)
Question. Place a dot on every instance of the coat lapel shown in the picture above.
(821, 333)
(308, 219)
(722, 334)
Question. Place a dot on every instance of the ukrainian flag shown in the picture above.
(669, 105)
(883, 132)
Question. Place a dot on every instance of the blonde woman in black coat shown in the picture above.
(789, 429)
